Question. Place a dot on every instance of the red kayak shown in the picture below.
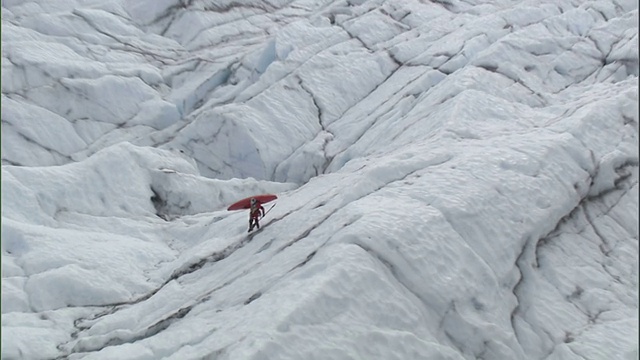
(246, 202)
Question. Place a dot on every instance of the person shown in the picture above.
(255, 212)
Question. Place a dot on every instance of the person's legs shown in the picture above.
(253, 222)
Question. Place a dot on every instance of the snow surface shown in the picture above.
(456, 179)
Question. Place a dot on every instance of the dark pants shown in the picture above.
(253, 221)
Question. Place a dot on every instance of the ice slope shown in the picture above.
(456, 180)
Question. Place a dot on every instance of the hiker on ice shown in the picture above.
(255, 212)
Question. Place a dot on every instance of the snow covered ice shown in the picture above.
(455, 179)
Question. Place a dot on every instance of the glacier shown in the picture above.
(455, 179)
